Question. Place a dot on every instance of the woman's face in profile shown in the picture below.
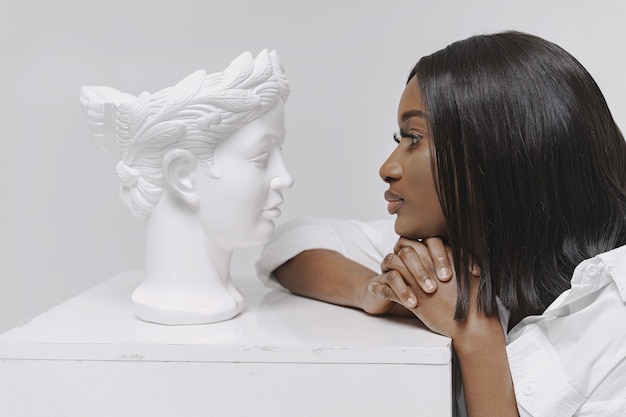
(412, 194)
(238, 209)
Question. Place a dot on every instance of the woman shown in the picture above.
(202, 163)
(509, 176)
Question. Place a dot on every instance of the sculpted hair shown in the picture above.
(197, 114)
(530, 165)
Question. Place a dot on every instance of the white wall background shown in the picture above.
(63, 228)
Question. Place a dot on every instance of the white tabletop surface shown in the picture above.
(275, 326)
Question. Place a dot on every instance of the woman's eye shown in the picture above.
(414, 137)
(260, 160)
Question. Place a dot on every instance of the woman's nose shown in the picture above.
(390, 171)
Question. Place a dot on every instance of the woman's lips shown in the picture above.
(394, 201)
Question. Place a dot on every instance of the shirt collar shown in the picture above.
(615, 268)
(589, 276)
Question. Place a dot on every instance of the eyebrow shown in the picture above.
(412, 113)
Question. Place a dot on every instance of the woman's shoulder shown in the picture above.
(574, 355)
(602, 270)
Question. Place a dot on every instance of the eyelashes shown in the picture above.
(413, 137)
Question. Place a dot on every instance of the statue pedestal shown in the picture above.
(283, 355)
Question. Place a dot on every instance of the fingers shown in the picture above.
(384, 291)
(401, 271)
(393, 280)
(412, 268)
(441, 256)
(415, 264)
(434, 254)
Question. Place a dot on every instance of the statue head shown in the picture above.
(202, 162)
(195, 116)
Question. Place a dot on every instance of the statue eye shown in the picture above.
(260, 160)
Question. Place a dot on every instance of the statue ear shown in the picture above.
(178, 169)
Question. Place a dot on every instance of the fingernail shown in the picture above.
(429, 284)
(411, 301)
(444, 272)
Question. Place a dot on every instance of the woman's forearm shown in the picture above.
(485, 371)
(331, 277)
(325, 275)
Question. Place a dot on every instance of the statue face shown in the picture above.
(238, 209)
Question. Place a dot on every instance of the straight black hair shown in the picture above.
(530, 165)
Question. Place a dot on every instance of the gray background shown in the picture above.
(63, 227)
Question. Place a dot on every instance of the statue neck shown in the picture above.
(178, 251)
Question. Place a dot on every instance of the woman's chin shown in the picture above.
(417, 233)
(409, 233)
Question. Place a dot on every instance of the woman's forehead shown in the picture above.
(411, 102)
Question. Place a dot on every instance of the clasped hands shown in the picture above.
(418, 276)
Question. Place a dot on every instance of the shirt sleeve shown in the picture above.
(363, 242)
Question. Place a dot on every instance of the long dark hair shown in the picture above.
(530, 165)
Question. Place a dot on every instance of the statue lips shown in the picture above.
(395, 201)
(273, 210)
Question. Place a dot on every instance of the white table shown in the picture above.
(284, 355)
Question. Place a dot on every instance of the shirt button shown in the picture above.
(529, 389)
(592, 270)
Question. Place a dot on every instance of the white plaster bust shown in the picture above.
(201, 162)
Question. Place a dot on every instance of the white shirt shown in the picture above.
(363, 242)
(570, 361)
